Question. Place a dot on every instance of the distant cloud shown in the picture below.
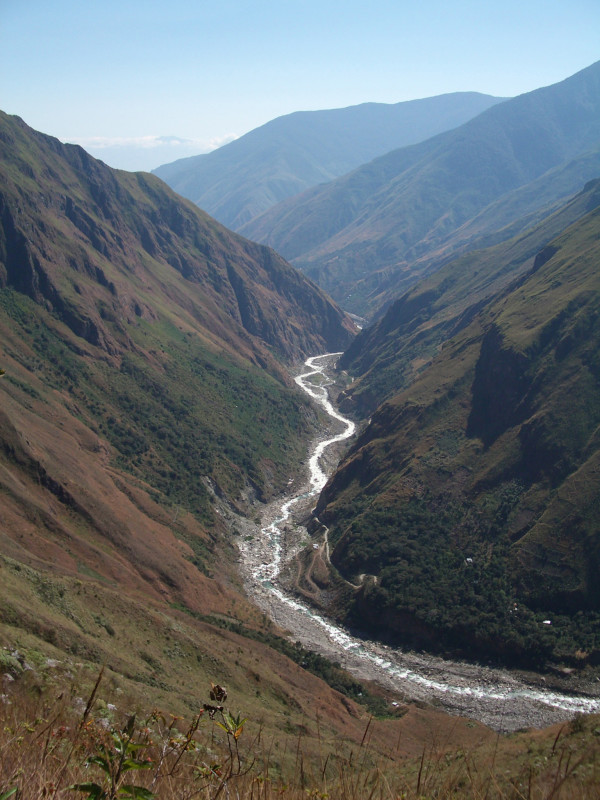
(219, 141)
(146, 152)
(202, 145)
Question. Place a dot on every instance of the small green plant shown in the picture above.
(115, 758)
(161, 750)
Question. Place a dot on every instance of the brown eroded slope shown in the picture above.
(132, 323)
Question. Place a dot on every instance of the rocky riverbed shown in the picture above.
(502, 699)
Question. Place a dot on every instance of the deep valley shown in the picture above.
(387, 558)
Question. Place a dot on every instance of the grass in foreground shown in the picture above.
(54, 743)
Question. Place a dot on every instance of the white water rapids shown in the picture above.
(496, 697)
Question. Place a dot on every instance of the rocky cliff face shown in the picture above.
(66, 216)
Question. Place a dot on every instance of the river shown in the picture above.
(498, 698)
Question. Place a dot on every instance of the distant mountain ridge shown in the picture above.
(284, 157)
(368, 235)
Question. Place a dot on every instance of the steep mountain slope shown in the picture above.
(388, 356)
(292, 153)
(142, 349)
(367, 236)
(468, 508)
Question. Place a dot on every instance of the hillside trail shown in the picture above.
(501, 699)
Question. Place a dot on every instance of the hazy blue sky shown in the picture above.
(127, 71)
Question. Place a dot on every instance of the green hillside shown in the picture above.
(144, 354)
(388, 355)
(469, 505)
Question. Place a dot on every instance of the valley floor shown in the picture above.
(501, 699)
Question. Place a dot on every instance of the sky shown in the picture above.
(141, 82)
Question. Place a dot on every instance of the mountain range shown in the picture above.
(368, 235)
(147, 405)
(289, 154)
